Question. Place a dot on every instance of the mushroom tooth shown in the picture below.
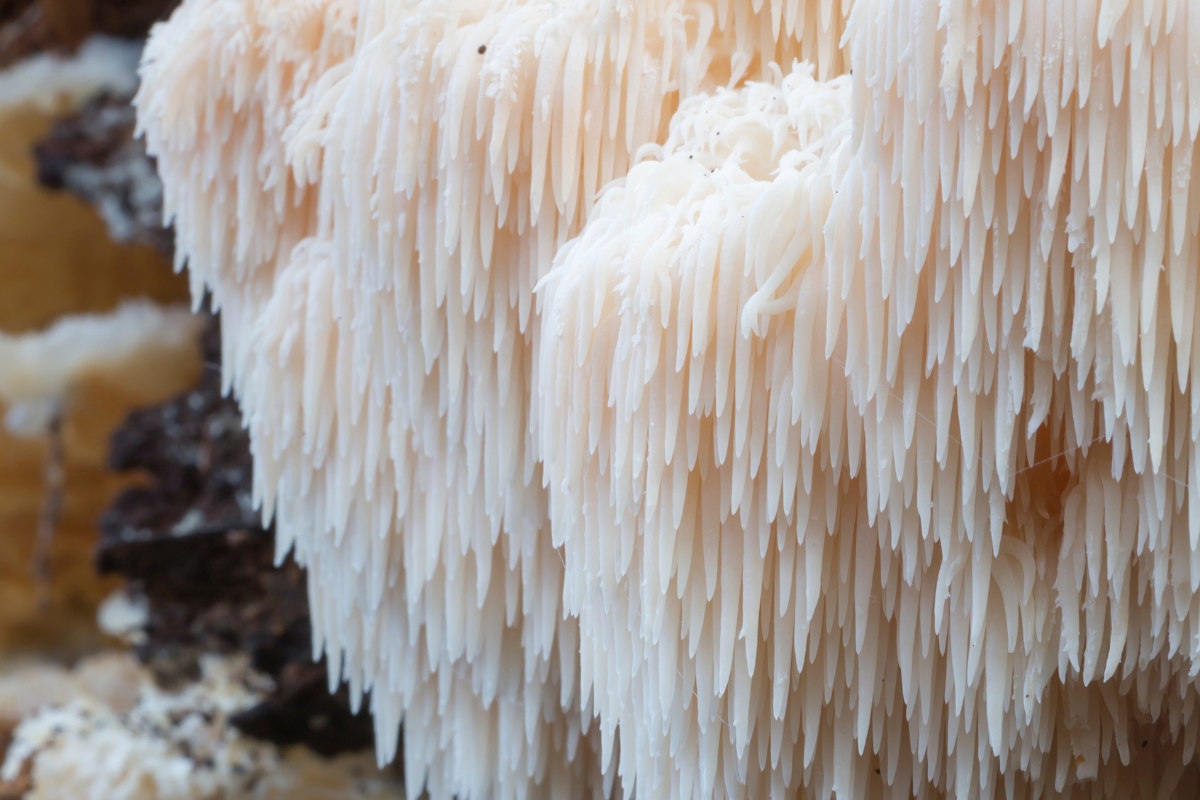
(408, 362)
(221, 83)
(846, 443)
(943, 328)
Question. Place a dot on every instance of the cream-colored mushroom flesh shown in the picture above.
(718, 398)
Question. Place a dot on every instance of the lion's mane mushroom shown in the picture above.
(238, 74)
(385, 361)
(944, 453)
(863, 406)
(671, 455)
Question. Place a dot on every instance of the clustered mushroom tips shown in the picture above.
(713, 398)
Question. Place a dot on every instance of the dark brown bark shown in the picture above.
(188, 538)
(32, 26)
(190, 541)
(92, 154)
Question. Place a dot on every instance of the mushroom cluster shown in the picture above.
(718, 398)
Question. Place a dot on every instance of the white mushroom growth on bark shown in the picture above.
(388, 398)
(667, 430)
(862, 404)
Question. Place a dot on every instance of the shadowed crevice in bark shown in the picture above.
(191, 543)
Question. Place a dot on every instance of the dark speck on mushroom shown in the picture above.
(482, 49)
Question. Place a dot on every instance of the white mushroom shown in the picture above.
(386, 365)
(964, 439)
(862, 404)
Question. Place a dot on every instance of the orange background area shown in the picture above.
(56, 259)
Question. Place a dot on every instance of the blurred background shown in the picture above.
(149, 646)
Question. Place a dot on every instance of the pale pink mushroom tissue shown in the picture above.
(718, 398)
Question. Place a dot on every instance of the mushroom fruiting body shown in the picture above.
(842, 445)
(667, 428)
(236, 71)
(942, 475)
(385, 361)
